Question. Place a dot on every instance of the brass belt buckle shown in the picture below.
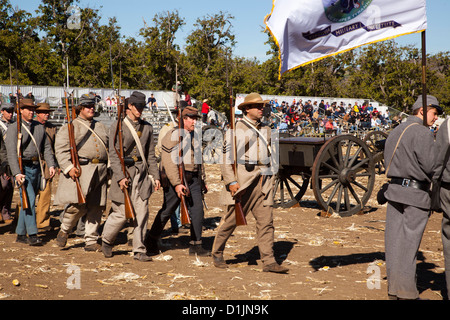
(34, 159)
(135, 159)
(95, 161)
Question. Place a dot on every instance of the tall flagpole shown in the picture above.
(424, 76)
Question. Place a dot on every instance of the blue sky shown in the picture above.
(247, 25)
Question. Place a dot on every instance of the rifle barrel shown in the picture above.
(184, 212)
(73, 151)
(239, 212)
(129, 210)
(25, 202)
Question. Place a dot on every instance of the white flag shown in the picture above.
(309, 30)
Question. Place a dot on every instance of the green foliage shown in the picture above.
(41, 44)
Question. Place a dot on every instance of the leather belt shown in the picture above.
(192, 173)
(445, 185)
(410, 183)
(84, 161)
(35, 159)
(31, 161)
(131, 161)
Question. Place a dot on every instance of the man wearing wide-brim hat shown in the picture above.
(252, 183)
(35, 148)
(410, 155)
(92, 138)
(174, 188)
(43, 206)
(27, 103)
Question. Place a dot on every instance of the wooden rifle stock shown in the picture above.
(73, 151)
(239, 212)
(129, 210)
(184, 212)
(23, 190)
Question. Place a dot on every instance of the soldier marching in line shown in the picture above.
(6, 183)
(43, 206)
(91, 138)
(254, 182)
(140, 160)
(35, 147)
(174, 189)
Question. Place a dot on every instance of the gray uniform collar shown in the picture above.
(412, 119)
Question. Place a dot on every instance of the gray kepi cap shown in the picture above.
(87, 99)
(137, 99)
(7, 106)
(432, 102)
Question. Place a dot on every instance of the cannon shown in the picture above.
(340, 170)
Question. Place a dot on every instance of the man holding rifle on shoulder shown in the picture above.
(187, 185)
(91, 140)
(35, 147)
(251, 183)
(139, 158)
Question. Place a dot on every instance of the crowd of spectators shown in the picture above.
(324, 117)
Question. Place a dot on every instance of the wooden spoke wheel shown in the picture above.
(289, 188)
(343, 175)
(375, 141)
(212, 142)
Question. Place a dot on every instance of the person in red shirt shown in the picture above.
(205, 110)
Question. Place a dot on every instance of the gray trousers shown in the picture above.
(74, 212)
(405, 226)
(116, 220)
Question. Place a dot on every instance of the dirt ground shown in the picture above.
(330, 258)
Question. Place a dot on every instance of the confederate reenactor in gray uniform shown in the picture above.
(174, 188)
(6, 185)
(254, 181)
(409, 154)
(91, 139)
(144, 177)
(35, 147)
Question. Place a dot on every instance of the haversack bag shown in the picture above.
(381, 199)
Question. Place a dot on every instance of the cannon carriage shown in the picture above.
(340, 170)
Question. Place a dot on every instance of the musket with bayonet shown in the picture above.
(118, 137)
(73, 147)
(184, 212)
(25, 201)
(239, 212)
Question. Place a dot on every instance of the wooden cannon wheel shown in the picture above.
(343, 175)
(212, 143)
(374, 141)
(289, 189)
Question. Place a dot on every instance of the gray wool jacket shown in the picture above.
(414, 159)
(442, 145)
(29, 150)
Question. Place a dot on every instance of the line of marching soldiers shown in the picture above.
(32, 152)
